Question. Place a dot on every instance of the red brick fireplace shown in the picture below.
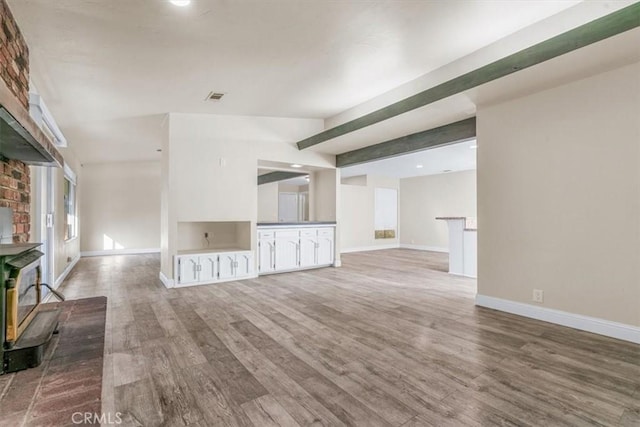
(15, 181)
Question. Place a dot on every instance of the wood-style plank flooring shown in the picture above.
(389, 339)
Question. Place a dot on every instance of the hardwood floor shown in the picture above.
(388, 339)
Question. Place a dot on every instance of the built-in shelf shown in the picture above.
(222, 236)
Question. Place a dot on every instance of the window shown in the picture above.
(71, 219)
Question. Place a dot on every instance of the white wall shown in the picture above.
(120, 201)
(559, 197)
(268, 202)
(424, 198)
(357, 196)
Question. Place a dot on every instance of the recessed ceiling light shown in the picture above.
(159, 150)
(296, 166)
(473, 147)
(181, 3)
(419, 166)
(446, 170)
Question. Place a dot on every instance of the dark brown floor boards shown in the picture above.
(389, 339)
(70, 378)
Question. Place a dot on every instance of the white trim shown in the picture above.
(214, 282)
(70, 174)
(121, 252)
(168, 283)
(66, 271)
(369, 248)
(577, 321)
(45, 118)
(424, 248)
(337, 263)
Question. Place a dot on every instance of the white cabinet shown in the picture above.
(188, 269)
(287, 249)
(325, 250)
(266, 252)
(208, 267)
(308, 248)
(235, 265)
(213, 267)
(290, 249)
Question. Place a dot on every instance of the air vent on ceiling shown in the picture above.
(214, 96)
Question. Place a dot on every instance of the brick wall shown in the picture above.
(14, 175)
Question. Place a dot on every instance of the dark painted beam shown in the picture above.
(278, 176)
(610, 25)
(432, 138)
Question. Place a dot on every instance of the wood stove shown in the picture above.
(25, 327)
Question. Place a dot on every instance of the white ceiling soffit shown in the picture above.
(109, 70)
(450, 158)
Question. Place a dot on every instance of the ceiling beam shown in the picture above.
(607, 26)
(278, 176)
(432, 138)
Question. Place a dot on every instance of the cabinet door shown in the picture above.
(208, 268)
(308, 251)
(325, 250)
(244, 264)
(227, 265)
(188, 269)
(287, 250)
(266, 256)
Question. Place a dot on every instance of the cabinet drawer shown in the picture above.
(325, 232)
(270, 234)
(308, 232)
(287, 234)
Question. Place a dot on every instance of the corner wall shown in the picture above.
(559, 197)
(426, 197)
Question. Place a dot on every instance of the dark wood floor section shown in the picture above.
(389, 339)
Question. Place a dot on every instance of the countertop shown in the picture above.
(470, 223)
(297, 224)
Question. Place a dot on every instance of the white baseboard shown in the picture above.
(121, 252)
(337, 263)
(66, 271)
(424, 248)
(369, 248)
(168, 283)
(595, 325)
(215, 282)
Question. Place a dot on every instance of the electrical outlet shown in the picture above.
(538, 296)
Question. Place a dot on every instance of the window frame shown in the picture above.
(70, 225)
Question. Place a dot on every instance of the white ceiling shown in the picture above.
(450, 158)
(622, 49)
(110, 70)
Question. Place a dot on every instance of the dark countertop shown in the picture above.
(295, 224)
